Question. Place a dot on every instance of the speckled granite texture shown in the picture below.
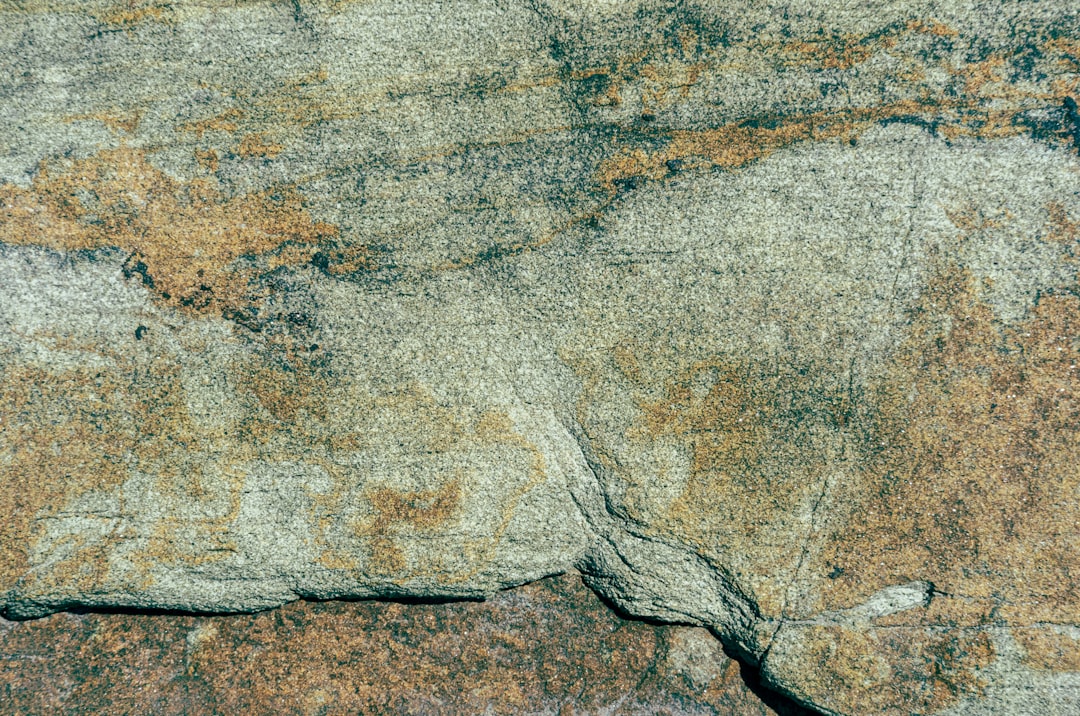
(547, 648)
(765, 317)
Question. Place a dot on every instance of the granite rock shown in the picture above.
(550, 647)
(765, 317)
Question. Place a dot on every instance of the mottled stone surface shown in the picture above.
(764, 316)
(547, 648)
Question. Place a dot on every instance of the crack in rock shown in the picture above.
(764, 318)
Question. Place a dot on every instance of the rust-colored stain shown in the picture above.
(958, 459)
(970, 219)
(208, 159)
(550, 646)
(757, 435)
(836, 52)
(125, 121)
(721, 410)
(58, 429)
(989, 103)
(70, 432)
(968, 452)
(257, 146)
(1062, 229)
(398, 513)
(983, 100)
(133, 12)
(227, 121)
(891, 671)
(291, 394)
(930, 26)
(423, 511)
(1049, 648)
(130, 15)
(183, 237)
(739, 144)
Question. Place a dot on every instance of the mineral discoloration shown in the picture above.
(55, 426)
(421, 510)
(764, 318)
(753, 436)
(970, 448)
(885, 671)
(88, 431)
(991, 98)
(1049, 648)
(183, 237)
(548, 646)
(134, 426)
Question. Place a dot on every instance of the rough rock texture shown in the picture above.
(764, 316)
(547, 648)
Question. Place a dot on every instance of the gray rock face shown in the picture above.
(765, 317)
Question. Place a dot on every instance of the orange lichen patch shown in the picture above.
(831, 53)
(546, 647)
(495, 425)
(664, 72)
(256, 146)
(885, 671)
(627, 362)
(425, 509)
(59, 436)
(208, 159)
(844, 51)
(660, 73)
(129, 15)
(729, 421)
(1061, 228)
(227, 121)
(631, 164)
(134, 12)
(992, 102)
(931, 27)
(967, 452)
(970, 219)
(183, 237)
(984, 125)
(496, 428)
(125, 121)
(736, 145)
(1067, 50)
(311, 99)
(989, 104)
(385, 557)
(291, 396)
(1048, 648)
(985, 78)
(214, 543)
(66, 434)
(659, 83)
(398, 513)
(754, 438)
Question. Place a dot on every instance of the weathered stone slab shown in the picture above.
(764, 317)
(550, 647)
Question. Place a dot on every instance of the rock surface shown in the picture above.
(550, 647)
(764, 316)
